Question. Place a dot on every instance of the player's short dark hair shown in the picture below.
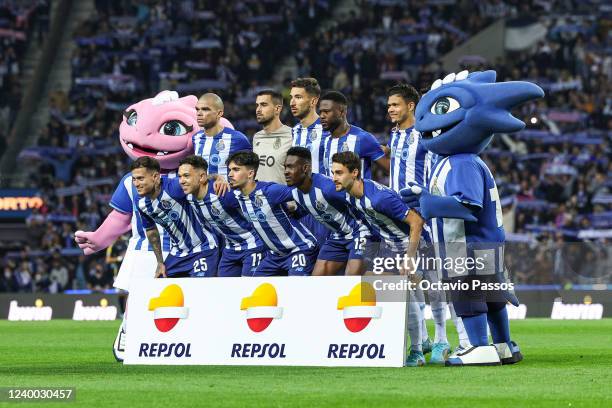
(348, 159)
(244, 158)
(145, 162)
(335, 96)
(197, 162)
(276, 96)
(406, 91)
(301, 152)
(310, 85)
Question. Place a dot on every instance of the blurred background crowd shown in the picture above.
(554, 177)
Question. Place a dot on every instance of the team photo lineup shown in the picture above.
(202, 200)
(306, 202)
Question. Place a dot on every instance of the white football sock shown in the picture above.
(464, 340)
(414, 324)
(438, 310)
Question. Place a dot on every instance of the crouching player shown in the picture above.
(193, 248)
(243, 249)
(392, 221)
(316, 193)
(293, 249)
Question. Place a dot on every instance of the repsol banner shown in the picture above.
(40, 306)
(315, 321)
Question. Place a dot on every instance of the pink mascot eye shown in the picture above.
(174, 128)
(131, 117)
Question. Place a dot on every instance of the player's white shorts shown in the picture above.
(136, 264)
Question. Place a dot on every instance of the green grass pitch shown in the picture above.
(567, 364)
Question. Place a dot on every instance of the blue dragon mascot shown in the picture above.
(457, 119)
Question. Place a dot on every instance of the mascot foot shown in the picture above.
(474, 356)
(509, 353)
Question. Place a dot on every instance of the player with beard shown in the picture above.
(345, 137)
(308, 133)
(272, 142)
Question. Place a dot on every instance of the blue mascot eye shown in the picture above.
(132, 118)
(174, 128)
(444, 105)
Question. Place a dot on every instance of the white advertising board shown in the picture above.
(306, 321)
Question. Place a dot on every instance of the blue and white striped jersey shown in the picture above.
(172, 211)
(313, 138)
(331, 209)
(410, 161)
(357, 140)
(124, 200)
(216, 149)
(384, 211)
(264, 207)
(223, 214)
(467, 178)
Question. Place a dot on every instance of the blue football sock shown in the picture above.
(476, 327)
(499, 325)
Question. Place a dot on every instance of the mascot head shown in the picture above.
(160, 127)
(462, 111)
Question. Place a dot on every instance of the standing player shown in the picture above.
(411, 162)
(395, 223)
(293, 249)
(193, 250)
(308, 133)
(243, 249)
(272, 142)
(345, 137)
(216, 142)
(317, 193)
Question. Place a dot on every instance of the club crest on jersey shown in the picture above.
(258, 202)
(313, 136)
(220, 145)
(411, 139)
(320, 205)
(215, 211)
(277, 143)
(166, 204)
(345, 147)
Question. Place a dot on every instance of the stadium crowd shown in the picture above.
(17, 18)
(554, 177)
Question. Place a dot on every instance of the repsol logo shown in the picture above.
(165, 350)
(266, 160)
(249, 350)
(371, 351)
